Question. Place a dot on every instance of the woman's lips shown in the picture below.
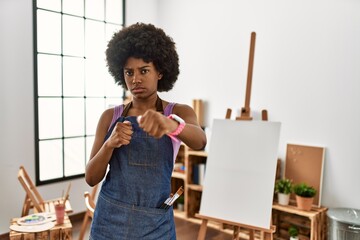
(138, 90)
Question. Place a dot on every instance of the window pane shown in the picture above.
(73, 36)
(89, 144)
(73, 83)
(112, 89)
(94, 9)
(112, 102)
(94, 39)
(49, 4)
(95, 72)
(74, 117)
(48, 32)
(75, 7)
(49, 75)
(94, 109)
(110, 30)
(50, 116)
(73, 70)
(114, 11)
(74, 149)
(50, 153)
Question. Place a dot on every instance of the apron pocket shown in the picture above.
(143, 150)
(151, 223)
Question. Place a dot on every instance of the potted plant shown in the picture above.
(283, 188)
(304, 196)
(293, 232)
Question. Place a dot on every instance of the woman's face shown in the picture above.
(141, 78)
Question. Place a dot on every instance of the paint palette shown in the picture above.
(36, 219)
(34, 228)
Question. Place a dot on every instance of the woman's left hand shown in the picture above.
(156, 124)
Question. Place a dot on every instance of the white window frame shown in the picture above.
(67, 81)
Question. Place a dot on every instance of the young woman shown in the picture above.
(138, 142)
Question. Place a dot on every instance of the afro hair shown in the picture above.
(146, 42)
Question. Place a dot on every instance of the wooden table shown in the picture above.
(58, 232)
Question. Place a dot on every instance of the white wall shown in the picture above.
(142, 11)
(17, 146)
(306, 75)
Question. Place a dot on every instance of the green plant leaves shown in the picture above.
(283, 186)
(303, 190)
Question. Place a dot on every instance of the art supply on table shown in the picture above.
(65, 198)
(36, 222)
(60, 213)
(36, 219)
(32, 228)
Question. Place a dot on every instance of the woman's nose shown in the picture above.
(135, 79)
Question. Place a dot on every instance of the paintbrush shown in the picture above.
(67, 194)
(173, 198)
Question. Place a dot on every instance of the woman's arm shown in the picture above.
(158, 125)
(192, 135)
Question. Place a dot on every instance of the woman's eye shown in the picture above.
(128, 73)
(144, 71)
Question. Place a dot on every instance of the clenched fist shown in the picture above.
(121, 134)
(156, 124)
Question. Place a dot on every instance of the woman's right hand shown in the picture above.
(121, 135)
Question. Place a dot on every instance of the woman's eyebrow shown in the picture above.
(145, 66)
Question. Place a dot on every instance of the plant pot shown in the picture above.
(283, 199)
(304, 203)
(294, 238)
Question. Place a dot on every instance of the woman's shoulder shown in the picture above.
(167, 104)
(108, 112)
(182, 110)
(107, 116)
(111, 114)
(179, 107)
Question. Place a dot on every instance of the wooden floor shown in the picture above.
(185, 230)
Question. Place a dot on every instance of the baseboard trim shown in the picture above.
(73, 218)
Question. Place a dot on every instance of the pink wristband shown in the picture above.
(180, 127)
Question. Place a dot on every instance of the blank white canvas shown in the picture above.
(240, 172)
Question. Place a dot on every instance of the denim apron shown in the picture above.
(136, 185)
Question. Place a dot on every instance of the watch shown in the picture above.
(180, 127)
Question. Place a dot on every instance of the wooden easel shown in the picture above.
(266, 234)
(245, 111)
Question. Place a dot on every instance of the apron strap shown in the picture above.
(126, 109)
(159, 107)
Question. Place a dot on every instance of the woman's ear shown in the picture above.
(160, 76)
